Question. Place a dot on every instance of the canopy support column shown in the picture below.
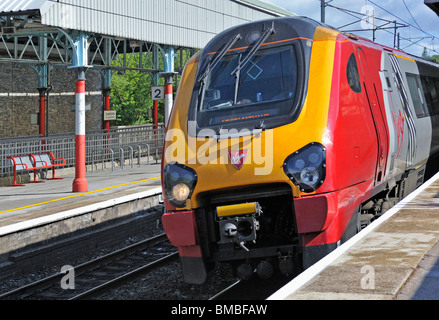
(168, 73)
(80, 59)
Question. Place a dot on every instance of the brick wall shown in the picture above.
(19, 99)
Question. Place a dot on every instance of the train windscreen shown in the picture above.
(238, 90)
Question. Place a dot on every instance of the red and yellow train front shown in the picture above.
(268, 151)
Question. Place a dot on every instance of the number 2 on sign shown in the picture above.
(158, 93)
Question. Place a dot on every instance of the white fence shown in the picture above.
(120, 146)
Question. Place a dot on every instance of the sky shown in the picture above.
(422, 23)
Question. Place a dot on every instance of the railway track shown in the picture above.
(94, 277)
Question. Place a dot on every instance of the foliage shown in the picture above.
(425, 55)
(131, 91)
(131, 96)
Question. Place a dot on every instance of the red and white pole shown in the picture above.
(168, 72)
(80, 183)
(168, 98)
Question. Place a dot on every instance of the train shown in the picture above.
(286, 138)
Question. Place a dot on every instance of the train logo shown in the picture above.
(237, 158)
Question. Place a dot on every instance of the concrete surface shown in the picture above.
(396, 257)
(38, 212)
(33, 200)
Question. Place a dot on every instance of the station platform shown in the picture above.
(18, 204)
(395, 258)
(30, 214)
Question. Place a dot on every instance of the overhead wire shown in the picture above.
(413, 17)
(357, 14)
(387, 11)
(418, 27)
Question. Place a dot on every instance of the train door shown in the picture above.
(378, 115)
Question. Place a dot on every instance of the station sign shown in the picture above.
(109, 115)
(158, 93)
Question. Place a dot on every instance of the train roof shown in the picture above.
(383, 47)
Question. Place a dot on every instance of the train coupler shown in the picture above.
(238, 223)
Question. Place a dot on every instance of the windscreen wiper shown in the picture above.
(219, 56)
(252, 52)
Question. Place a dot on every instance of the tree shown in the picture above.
(425, 55)
(131, 90)
(131, 97)
(131, 94)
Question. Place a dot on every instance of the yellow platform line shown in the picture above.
(79, 195)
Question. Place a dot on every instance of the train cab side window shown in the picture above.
(352, 74)
(430, 93)
(434, 90)
(417, 95)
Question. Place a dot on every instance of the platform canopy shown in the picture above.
(186, 23)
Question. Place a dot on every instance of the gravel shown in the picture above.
(165, 283)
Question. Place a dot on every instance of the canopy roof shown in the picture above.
(186, 23)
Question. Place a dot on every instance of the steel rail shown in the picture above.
(50, 281)
(124, 278)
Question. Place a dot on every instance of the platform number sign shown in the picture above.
(158, 93)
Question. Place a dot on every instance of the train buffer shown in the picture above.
(34, 162)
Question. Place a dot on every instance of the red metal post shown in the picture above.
(42, 115)
(106, 93)
(155, 114)
(42, 110)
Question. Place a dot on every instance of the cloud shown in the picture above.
(385, 9)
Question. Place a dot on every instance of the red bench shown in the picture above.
(34, 162)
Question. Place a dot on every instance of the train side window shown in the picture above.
(417, 95)
(434, 88)
(427, 94)
(389, 86)
(352, 74)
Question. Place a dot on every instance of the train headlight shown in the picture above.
(307, 167)
(179, 182)
(180, 192)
